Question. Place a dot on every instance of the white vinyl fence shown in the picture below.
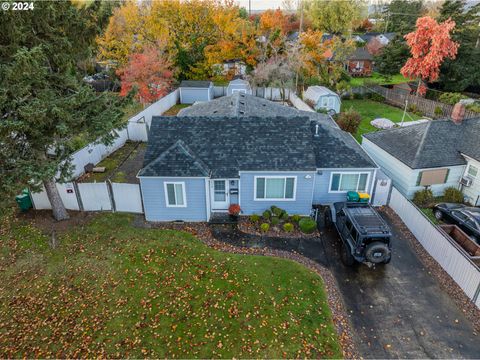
(101, 196)
(299, 103)
(439, 245)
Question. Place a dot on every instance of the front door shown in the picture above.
(219, 194)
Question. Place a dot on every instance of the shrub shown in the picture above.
(275, 220)
(276, 211)
(284, 216)
(234, 209)
(423, 198)
(376, 97)
(307, 225)
(267, 214)
(310, 103)
(453, 195)
(254, 218)
(322, 111)
(438, 111)
(451, 98)
(349, 120)
(475, 107)
(296, 218)
(288, 227)
(265, 227)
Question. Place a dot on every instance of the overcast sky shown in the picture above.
(261, 4)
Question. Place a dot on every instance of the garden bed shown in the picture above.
(276, 222)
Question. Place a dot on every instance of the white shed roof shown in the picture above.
(239, 82)
(315, 92)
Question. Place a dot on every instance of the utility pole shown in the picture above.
(300, 29)
(249, 8)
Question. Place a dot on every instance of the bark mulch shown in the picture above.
(340, 317)
(247, 227)
(471, 311)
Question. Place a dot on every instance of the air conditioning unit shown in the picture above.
(466, 181)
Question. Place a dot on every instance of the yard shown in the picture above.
(370, 110)
(175, 109)
(378, 79)
(110, 289)
(121, 166)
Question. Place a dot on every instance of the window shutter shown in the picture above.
(446, 175)
(419, 178)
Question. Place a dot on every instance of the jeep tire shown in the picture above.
(328, 219)
(377, 252)
(347, 257)
(438, 215)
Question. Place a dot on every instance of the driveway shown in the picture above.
(397, 310)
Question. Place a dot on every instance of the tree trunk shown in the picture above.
(58, 209)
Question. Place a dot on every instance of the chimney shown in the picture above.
(458, 113)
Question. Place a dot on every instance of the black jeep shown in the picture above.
(365, 235)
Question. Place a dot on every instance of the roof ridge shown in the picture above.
(422, 143)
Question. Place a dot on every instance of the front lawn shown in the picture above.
(370, 110)
(378, 79)
(110, 289)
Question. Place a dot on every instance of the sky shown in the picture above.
(261, 4)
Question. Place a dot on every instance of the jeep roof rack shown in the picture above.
(366, 219)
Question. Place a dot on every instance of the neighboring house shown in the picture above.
(239, 86)
(436, 154)
(323, 98)
(233, 67)
(192, 91)
(360, 63)
(195, 165)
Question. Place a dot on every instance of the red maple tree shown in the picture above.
(429, 45)
(149, 72)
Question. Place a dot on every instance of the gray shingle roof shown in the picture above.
(361, 54)
(224, 146)
(436, 143)
(195, 83)
(249, 105)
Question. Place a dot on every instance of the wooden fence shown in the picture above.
(431, 108)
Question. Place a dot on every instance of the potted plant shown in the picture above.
(233, 211)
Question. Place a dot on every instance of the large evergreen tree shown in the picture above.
(464, 71)
(44, 104)
(392, 57)
(401, 15)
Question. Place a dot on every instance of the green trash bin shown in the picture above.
(23, 200)
(352, 196)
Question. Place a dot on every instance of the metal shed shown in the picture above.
(240, 86)
(192, 91)
(323, 98)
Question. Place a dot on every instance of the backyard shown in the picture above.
(370, 110)
(111, 289)
(378, 79)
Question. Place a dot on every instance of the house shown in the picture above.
(240, 86)
(195, 165)
(436, 154)
(231, 67)
(323, 98)
(192, 91)
(360, 63)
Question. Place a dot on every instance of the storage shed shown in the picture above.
(192, 91)
(323, 98)
(240, 86)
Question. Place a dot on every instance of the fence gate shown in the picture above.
(381, 192)
(95, 196)
(127, 197)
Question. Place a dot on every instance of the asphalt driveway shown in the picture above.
(397, 310)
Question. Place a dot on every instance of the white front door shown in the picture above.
(219, 194)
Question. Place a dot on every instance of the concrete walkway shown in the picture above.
(397, 310)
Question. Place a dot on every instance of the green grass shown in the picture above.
(111, 163)
(112, 290)
(175, 109)
(429, 213)
(132, 109)
(370, 110)
(378, 79)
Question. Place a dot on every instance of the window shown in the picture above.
(175, 194)
(472, 171)
(275, 188)
(343, 182)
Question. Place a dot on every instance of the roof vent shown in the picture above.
(316, 130)
(242, 112)
(215, 111)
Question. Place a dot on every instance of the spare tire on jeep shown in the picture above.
(377, 252)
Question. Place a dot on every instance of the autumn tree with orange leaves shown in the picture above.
(430, 44)
(149, 72)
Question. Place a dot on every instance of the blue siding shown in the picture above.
(303, 198)
(153, 192)
(322, 183)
